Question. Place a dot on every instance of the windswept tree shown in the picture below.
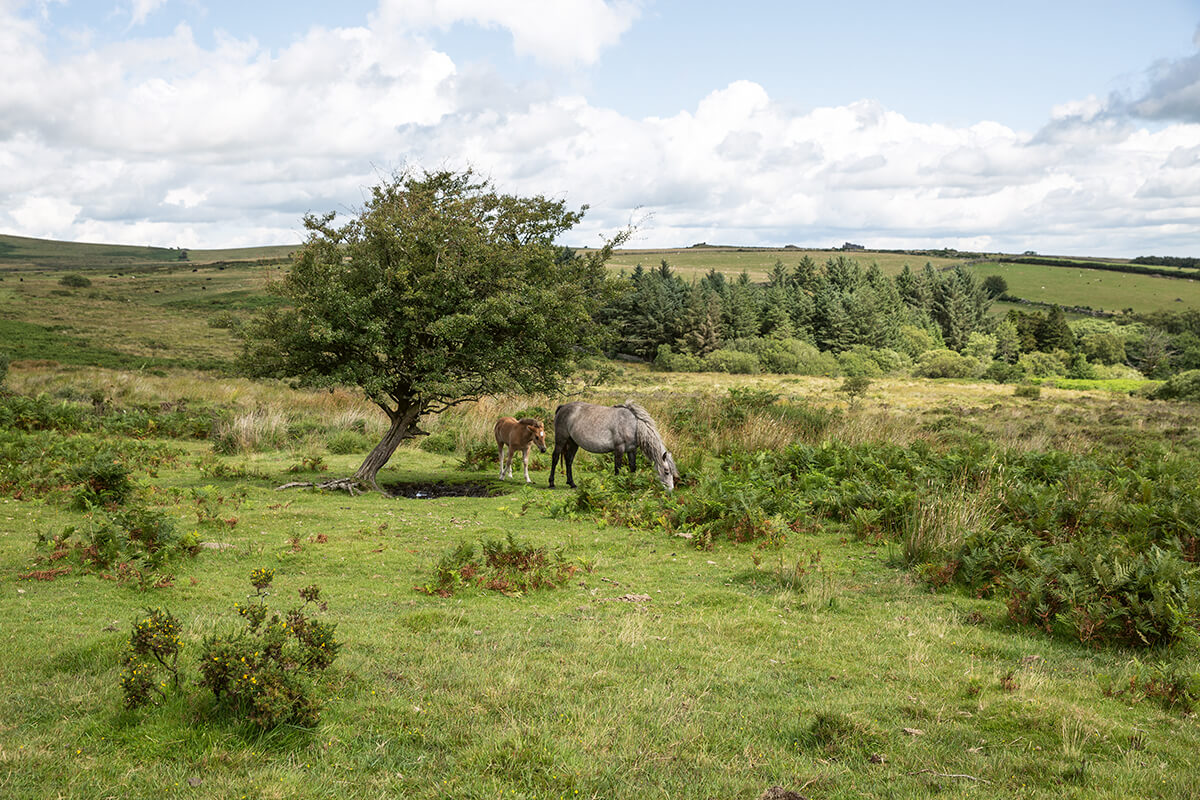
(438, 292)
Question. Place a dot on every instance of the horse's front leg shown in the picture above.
(559, 450)
(525, 461)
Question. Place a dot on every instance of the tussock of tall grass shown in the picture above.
(360, 420)
(865, 425)
(941, 521)
(257, 430)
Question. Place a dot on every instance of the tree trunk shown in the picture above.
(403, 421)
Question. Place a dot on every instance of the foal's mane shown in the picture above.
(648, 438)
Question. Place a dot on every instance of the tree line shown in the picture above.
(841, 318)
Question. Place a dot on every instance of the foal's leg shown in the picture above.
(501, 457)
(525, 461)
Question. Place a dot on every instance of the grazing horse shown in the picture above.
(621, 430)
(518, 434)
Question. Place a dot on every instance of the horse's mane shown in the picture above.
(648, 438)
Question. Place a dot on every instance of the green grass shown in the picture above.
(844, 677)
(1098, 289)
(724, 683)
(821, 665)
(25, 252)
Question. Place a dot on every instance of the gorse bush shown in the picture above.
(74, 281)
(264, 673)
(153, 646)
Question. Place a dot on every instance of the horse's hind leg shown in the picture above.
(568, 460)
(616, 462)
(501, 457)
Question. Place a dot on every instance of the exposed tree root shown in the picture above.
(352, 485)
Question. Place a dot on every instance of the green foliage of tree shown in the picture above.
(1008, 342)
(1054, 333)
(959, 305)
(439, 291)
(995, 285)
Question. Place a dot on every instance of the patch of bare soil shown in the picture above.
(425, 491)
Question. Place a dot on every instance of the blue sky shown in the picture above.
(1062, 127)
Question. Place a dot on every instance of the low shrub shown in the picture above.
(1028, 390)
(732, 361)
(479, 456)
(265, 672)
(945, 364)
(75, 281)
(1042, 365)
(444, 442)
(225, 319)
(36, 464)
(502, 565)
(667, 360)
(1184, 386)
(102, 480)
(153, 645)
(1100, 547)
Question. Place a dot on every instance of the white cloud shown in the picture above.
(141, 9)
(45, 216)
(185, 197)
(558, 32)
(164, 140)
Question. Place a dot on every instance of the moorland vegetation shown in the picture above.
(871, 581)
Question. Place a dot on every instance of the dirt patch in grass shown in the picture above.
(425, 491)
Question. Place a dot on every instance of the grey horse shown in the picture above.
(621, 430)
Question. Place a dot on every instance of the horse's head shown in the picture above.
(664, 465)
(538, 431)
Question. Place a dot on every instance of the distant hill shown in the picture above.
(24, 252)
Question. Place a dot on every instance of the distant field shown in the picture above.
(24, 252)
(215, 279)
(696, 261)
(1099, 289)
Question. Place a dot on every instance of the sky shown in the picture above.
(1058, 126)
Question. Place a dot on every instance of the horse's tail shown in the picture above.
(648, 438)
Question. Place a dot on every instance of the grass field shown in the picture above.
(19, 252)
(659, 668)
(819, 663)
(1099, 289)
